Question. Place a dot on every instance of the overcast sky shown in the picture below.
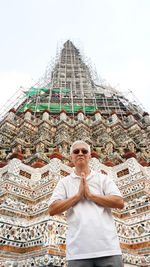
(114, 34)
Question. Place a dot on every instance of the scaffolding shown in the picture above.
(17, 100)
(69, 83)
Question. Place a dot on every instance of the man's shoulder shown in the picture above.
(66, 179)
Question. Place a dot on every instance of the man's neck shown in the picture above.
(79, 170)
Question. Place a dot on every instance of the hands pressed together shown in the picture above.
(110, 201)
(84, 190)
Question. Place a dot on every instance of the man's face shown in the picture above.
(80, 155)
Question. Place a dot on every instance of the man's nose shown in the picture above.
(80, 152)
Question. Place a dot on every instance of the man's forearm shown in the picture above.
(107, 201)
(60, 206)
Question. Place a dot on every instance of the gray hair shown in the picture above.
(79, 142)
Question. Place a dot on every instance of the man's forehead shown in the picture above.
(80, 145)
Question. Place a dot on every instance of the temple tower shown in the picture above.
(35, 137)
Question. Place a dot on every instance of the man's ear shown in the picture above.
(70, 158)
(90, 157)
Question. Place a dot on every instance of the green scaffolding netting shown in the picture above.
(34, 90)
(66, 90)
(57, 108)
(58, 90)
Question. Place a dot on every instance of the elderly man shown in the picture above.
(88, 196)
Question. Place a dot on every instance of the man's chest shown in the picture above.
(94, 185)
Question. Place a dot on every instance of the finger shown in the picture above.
(85, 180)
(82, 178)
(82, 175)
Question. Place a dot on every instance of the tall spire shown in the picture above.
(72, 74)
(70, 85)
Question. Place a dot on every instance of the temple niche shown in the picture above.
(109, 148)
(131, 147)
(35, 138)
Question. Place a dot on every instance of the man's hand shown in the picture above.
(110, 201)
(81, 191)
(87, 191)
(60, 206)
(84, 190)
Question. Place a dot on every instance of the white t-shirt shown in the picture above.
(91, 229)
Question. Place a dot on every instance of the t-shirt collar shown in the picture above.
(74, 175)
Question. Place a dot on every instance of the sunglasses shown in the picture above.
(77, 151)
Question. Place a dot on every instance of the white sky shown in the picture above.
(115, 35)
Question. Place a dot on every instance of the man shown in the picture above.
(88, 196)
